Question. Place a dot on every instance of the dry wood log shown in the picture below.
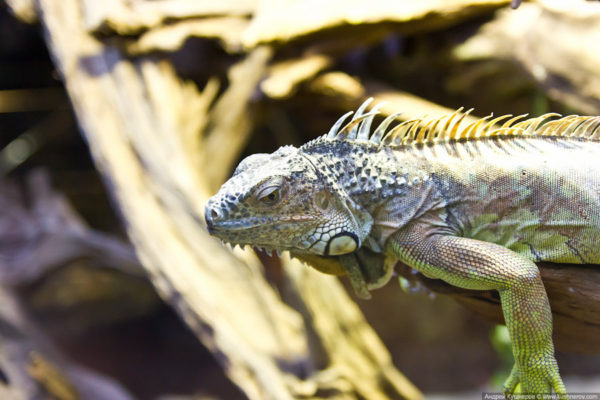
(285, 21)
(23, 9)
(573, 294)
(230, 122)
(349, 92)
(284, 77)
(32, 368)
(49, 234)
(226, 30)
(61, 264)
(148, 132)
(556, 42)
(135, 16)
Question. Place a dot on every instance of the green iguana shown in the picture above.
(475, 206)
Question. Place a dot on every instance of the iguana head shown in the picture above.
(280, 201)
(297, 199)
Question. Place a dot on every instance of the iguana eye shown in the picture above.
(269, 195)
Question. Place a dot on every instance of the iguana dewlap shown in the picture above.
(473, 205)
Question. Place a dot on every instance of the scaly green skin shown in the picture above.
(477, 212)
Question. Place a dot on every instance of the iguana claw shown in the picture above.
(539, 378)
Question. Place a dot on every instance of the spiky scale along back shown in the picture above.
(449, 128)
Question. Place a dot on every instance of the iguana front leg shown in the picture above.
(474, 264)
(365, 268)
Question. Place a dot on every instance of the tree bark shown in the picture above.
(573, 294)
(162, 148)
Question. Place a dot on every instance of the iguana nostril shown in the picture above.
(211, 215)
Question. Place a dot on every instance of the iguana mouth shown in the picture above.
(232, 232)
(249, 223)
(268, 249)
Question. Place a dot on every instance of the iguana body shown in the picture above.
(475, 206)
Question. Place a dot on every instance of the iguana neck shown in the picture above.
(393, 185)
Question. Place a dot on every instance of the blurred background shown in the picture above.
(243, 77)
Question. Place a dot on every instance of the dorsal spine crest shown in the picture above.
(448, 128)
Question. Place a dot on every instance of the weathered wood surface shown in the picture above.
(288, 20)
(135, 16)
(155, 138)
(226, 30)
(556, 42)
(280, 21)
(49, 234)
(32, 368)
(163, 146)
(574, 298)
(35, 240)
(23, 9)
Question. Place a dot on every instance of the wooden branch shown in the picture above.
(49, 234)
(573, 294)
(285, 76)
(349, 92)
(135, 16)
(226, 30)
(410, 105)
(230, 121)
(352, 348)
(32, 368)
(564, 64)
(288, 20)
(24, 10)
(136, 116)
